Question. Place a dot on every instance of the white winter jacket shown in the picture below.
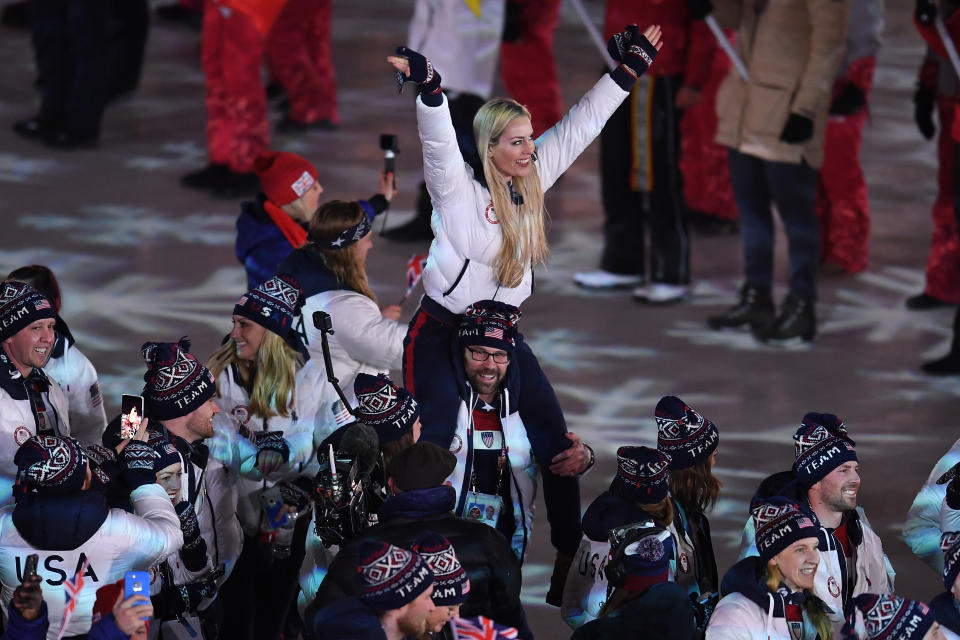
(124, 542)
(522, 466)
(363, 340)
(460, 269)
(922, 529)
(239, 454)
(737, 617)
(17, 424)
(78, 380)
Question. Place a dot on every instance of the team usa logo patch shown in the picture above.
(20, 435)
(684, 563)
(456, 444)
(490, 214)
(833, 587)
(241, 414)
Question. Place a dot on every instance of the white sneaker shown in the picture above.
(662, 293)
(601, 279)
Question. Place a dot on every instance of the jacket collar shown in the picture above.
(420, 503)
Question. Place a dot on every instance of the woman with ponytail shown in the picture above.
(489, 227)
(332, 269)
(771, 596)
(270, 401)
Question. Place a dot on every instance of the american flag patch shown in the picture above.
(493, 332)
(42, 304)
(303, 184)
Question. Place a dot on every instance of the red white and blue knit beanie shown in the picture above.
(450, 582)
(389, 409)
(275, 305)
(886, 617)
(642, 474)
(778, 523)
(950, 545)
(489, 323)
(684, 434)
(53, 465)
(818, 452)
(176, 382)
(21, 305)
(390, 577)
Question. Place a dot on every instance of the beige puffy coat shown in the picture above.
(792, 49)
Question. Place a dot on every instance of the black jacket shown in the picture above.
(664, 612)
(485, 554)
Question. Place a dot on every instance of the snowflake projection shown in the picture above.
(14, 168)
(623, 413)
(569, 350)
(536, 583)
(176, 155)
(146, 304)
(123, 225)
(567, 256)
(913, 386)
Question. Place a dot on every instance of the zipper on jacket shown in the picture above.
(463, 270)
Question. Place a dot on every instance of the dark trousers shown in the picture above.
(640, 156)
(128, 42)
(261, 589)
(429, 352)
(70, 41)
(758, 184)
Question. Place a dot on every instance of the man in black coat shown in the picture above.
(420, 501)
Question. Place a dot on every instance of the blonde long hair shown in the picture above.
(773, 578)
(271, 380)
(329, 221)
(523, 240)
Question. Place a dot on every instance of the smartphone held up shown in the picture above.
(131, 415)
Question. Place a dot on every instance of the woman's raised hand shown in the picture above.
(634, 50)
(413, 66)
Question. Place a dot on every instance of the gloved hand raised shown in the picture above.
(849, 101)
(413, 66)
(136, 461)
(633, 50)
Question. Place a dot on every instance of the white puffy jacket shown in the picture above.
(363, 340)
(124, 542)
(922, 529)
(460, 269)
(17, 424)
(239, 454)
(78, 379)
(737, 617)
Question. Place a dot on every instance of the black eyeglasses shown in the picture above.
(500, 357)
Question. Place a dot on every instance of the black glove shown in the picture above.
(294, 494)
(136, 461)
(699, 9)
(272, 441)
(421, 72)
(798, 129)
(194, 549)
(924, 101)
(850, 100)
(703, 606)
(561, 566)
(632, 50)
(179, 599)
(512, 22)
(926, 11)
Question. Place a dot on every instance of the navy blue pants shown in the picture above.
(430, 350)
(72, 49)
(758, 184)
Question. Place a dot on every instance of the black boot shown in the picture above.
(418, 229)
(754, 309)
(797, 319)
(209, 177)
(949, 364)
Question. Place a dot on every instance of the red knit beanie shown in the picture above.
(285, 177)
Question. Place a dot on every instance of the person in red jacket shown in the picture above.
(236, 36)
(949, 134)
(639, 159)
(943, 277)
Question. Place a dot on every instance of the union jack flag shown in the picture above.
(415, 266)
(481, 628)
(71, 589)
